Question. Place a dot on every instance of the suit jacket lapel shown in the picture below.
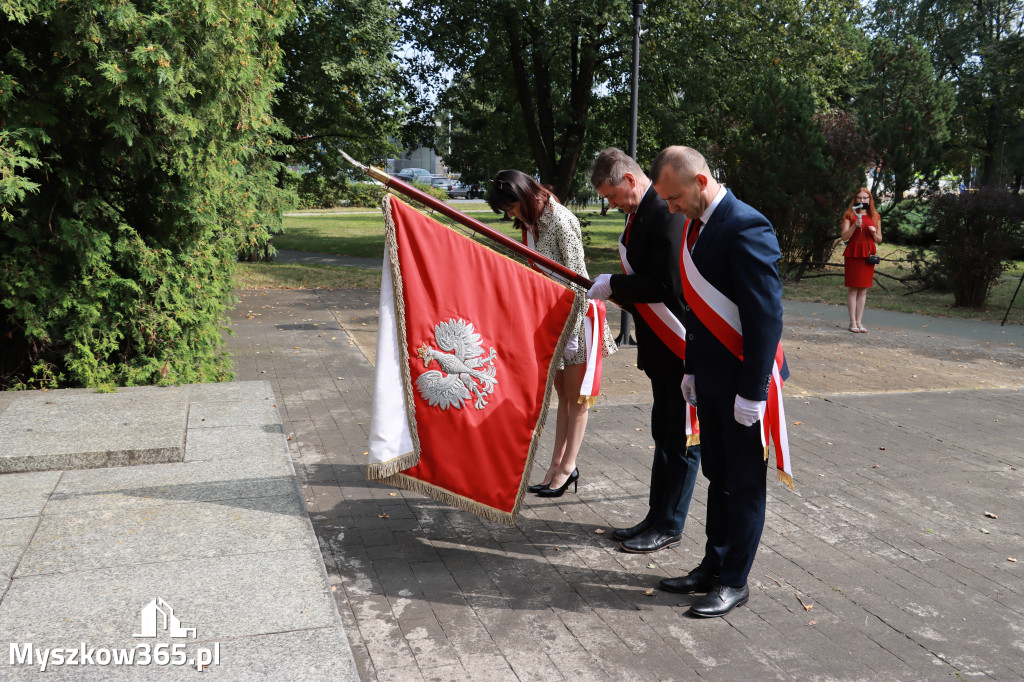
(709, 233)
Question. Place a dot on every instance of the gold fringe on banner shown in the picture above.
(692, 439)
(390, 472)
(780, 474)
(786, 478)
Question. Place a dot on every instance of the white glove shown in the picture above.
(602, 288)
(748, 412)
(689, 388)
(571, 346)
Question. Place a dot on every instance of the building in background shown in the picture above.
(424, 157)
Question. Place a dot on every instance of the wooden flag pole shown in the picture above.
(472, 223)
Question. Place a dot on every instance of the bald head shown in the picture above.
(682, 178)
(685, 161)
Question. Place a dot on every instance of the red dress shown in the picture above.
(860, 275)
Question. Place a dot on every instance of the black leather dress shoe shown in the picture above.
(699, 579)
(650, 541)
(720, 601)
(627, 533)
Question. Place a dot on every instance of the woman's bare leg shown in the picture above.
(568, 441)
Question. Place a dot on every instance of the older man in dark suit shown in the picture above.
(651, 288)
(732, 268)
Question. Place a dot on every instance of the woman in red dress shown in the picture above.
(862, 230)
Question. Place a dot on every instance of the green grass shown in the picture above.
(294, 276)
(363, 236)
(336, 233)
(827, 286)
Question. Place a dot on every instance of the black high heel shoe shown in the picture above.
(574, 478)
(537, 487)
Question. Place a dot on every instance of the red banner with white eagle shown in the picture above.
(466, 350)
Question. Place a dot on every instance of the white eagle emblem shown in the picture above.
(465, 369)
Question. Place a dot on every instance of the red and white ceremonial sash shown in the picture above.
(722, 318)
(593, 327)
(594, 319)
(672, 333)
(460, 394)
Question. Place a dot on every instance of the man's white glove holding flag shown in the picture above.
(748, 412)
(601, 289)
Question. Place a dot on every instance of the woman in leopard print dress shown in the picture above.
(554, 231)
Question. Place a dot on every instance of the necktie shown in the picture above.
(691, 237)
(629, 223)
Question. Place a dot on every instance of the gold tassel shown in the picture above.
(588, 400)
(692, 439)
(786, 478)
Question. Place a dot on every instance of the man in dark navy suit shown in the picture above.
(652, 290)
(734, 250)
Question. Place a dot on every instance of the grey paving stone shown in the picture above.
(312, 654)
(179, 483)
(223, 597)
(234, 391)
(231, 442)
(165, 534)
(221, 414)
(58, 430)
(15, 535)
(25, 494)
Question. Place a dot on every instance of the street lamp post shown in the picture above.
(638, 10)
(625, 337)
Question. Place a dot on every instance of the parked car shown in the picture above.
(413, 175)
(442, 182)
(467, 191)
(459, 191)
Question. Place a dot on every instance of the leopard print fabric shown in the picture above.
(560, 238)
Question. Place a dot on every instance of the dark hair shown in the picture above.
(511, 187)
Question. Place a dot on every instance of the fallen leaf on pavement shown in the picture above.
(651, 566)
(797, 423)
(984, 531)
(991, 515)
(599, 531)
(1010, 558)
(881, 448)
(383, 516)
(649, 592)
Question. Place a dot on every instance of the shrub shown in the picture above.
(977, 235)
(906, 224)
(315, 191)
(138, 163)
(366, 194)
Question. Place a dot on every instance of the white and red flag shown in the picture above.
(466, 351)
